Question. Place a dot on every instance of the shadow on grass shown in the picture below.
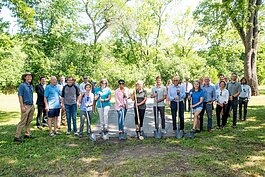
(231, 152)
(6, 116)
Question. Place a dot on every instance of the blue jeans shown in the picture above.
(209, 110)
(120, 119)
(71, 112)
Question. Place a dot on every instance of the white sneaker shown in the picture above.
(76, 134)
(51, 134)
(68, 133)
(164, 131)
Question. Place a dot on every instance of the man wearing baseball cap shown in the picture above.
(25, 96)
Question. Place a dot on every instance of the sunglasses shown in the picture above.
(175, 80)
(221, 93)
(121, 83)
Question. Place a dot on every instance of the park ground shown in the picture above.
(228, 152)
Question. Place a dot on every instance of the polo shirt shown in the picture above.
(26, 92)
(196, 96)
(209, 93)
(233, 88)
(172, 92)
(161, 91)
(140, 96)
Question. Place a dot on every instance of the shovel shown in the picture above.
(138, 128)
(123, 134)
(92, 136)
(190, 134)
(179, 133)
(157, 132)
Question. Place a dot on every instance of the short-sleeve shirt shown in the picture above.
(196, 96)
(161, 91)
(140, 96)
(104, 94)
(52, 93)
(26, 92)
(87, 100)
(233, 88)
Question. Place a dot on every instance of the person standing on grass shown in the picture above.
(209, 98)
(141, 97)
(62, 116)
(41, 116)
(244, 97)
(196, 95)
(82, 85)
(159, 93)
(25, 96)
(188, 87)
(222, 96)
(85, 103)
(103, 97)
(176, 95)
(122, 95)
(234, 89)
(70, 95)
(52, 104)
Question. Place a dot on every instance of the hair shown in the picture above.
(158, 77)
(53, 77)
(41, 77)
(169, 80)
(222, 82)
(104, 80)
(234, 74)
(70, 78)
(221, 74)
(243, 78)
(193, 88)
(176, 78)
(88, 84)
(140, 82)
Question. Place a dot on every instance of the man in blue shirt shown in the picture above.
(52, 104)
(209, 98)
(25, 96)
(176, 94)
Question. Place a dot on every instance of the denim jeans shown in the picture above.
(209, 111)
(233, 104)
(120, 118)
(71, 113)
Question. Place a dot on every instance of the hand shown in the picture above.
(157, 101)
(210, 102)
(79, 105)
(138, 104)
(177, 98)
(62, 106)
(192, 106)
(231, 98)
(23, 109)
(101, 100)
(47, 109)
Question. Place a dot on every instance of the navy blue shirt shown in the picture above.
(26, 91)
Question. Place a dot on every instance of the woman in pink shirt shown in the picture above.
(121, 103)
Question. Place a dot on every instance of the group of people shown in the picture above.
(62, 99)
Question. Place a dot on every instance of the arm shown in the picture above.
(227, 97)
(46, 104)
(249, 92)
(80, 99)
(200, 102)
(153, 95)
(238, 91)
(182, 92)
(170, 97)
(38, 90)
(22, 107)
(214, 94)
(117, 101)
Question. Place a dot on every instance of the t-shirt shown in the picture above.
(140, 96)
(52, 93)
(87, 100)
(161, 91)
(233, 88)
(26, 91)
(70, 94)
(104, 94)
(196, 96)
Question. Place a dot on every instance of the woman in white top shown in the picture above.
(222, 96)
(244, 96)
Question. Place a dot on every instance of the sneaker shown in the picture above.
(18, 140)
(80, 136)
(51, 134)
(68, 133)
(210, 130)
(217, 127)
(39, 127)
(76, 134)
(57, 133)
(44, 125)
(164, 131)
(28, 137)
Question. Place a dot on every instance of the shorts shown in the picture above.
(54, 113)
(196, 109)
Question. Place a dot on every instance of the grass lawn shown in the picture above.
(229, 152)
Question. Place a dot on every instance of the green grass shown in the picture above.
(229, 152)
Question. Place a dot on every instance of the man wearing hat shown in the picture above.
(25, 96)
(82, 85)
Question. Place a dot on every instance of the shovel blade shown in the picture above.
(190, 135)
(157, 134)
(123, 136)
(93, 137)
(179, 134)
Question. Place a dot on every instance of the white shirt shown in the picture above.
(187, 86)
(222, 96)
(245, 91)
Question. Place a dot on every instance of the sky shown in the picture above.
(13, 29)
